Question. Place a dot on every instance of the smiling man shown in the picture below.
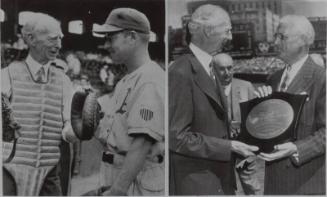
(298, 168)
(40, 95)
(199, 137)
(132, 130)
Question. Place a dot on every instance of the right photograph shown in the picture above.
(247, 97)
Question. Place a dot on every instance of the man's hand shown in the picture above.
(243, 149)
(280, 151)
(263, 91)
(68, 134)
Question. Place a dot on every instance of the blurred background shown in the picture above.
(253, 26)
(82, 50)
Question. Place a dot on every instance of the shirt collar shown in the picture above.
(297, 65)
(227, 89)
(35, 66)
(203, 57)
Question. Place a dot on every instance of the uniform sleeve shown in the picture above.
(68, 93)
(146, 115)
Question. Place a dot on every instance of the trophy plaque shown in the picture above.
(271, 120)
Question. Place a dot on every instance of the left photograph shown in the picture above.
(83, 97)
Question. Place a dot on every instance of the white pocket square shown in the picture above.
(305, 93)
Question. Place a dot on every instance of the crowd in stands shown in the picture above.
(97, 66)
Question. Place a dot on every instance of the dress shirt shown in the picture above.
(293, 71)
(34, 67)
(227, 89)
(203, 57)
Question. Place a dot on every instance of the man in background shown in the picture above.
(237, 91)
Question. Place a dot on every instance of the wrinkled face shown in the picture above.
(221, 36)
(225, 71)
(118, 46)
(288, 43)
(47, 44)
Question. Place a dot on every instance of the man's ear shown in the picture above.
(30, 39)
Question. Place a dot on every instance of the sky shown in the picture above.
(310, 8)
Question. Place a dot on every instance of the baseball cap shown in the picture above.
(125, 18)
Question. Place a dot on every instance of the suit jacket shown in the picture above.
(307, 176)
(241, 91)
(200, 151)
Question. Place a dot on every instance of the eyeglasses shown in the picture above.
(280, 36)
(228, 68)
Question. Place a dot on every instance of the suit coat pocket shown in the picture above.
(201, 183)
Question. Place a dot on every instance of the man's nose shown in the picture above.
(57, 43)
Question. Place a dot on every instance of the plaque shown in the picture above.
(270, 120)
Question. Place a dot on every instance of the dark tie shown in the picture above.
(40, 75)
(212, 72)
(285, 82)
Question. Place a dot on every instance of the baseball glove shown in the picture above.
(85, 114)
(10, 127)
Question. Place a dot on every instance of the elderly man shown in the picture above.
(298, 167)
(200, 151)
(132, 132)
(237, 91)
(40, 95)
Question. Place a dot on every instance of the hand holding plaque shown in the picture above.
(270, 120)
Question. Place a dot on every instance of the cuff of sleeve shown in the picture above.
(295, 158)
(146, 131)
(298, 158)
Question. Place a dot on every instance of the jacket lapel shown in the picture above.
(303, 79)
(205, 83)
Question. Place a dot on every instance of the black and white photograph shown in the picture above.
(247, 97)
(163, 97)
(83, 97)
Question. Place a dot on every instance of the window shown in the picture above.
(76, 27)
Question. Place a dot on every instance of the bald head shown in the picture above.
(224, 66)
(300, 26)
(40, 23)
(42, 33)
(210, 15)
(210, 28)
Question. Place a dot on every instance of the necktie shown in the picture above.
(285, 81)
(40, 75)
(212, 73)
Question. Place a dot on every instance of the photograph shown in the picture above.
(247, 97)
(83, 97)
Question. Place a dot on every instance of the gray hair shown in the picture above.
(38, 23)
(301, 26)
(209, 16)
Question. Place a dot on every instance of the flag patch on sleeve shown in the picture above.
(146, 114)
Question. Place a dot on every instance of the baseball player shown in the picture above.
(132, 130)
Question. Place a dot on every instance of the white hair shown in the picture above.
(301, 26)
(209, 16)
(39, 23)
